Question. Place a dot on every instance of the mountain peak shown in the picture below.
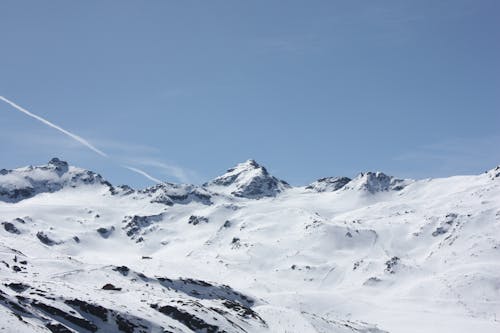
(59, 166)
(377, 182)
(23, 183)
(248, 165)
(249, 180)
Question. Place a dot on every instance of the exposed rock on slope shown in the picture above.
(170, 194)
(328, 184)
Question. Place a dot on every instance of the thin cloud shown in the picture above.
(60, 129)
(181, 174)
(175, 171)
(143, 173)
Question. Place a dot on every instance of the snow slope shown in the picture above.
(247, 252)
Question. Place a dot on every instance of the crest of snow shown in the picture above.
(26, 182)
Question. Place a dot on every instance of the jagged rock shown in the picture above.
(105, 232)
(205, 290)
(494, 173)
(109, 286)
(80, 322)
(17, 286)
(93, 309)
(123, 190)
(194, 220)
(140, 225)
(123, 270)
(329, 184)
(57, 328)
(186, 318)
(390, 265)
(10, 227)
(45, 239)
(445, 225)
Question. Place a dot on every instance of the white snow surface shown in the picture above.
(246, 252)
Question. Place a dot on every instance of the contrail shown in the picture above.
(77, 138)
(48, 123)
(144, 173)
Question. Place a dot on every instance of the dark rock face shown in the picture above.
(495, 173)
(390, 265)
(170, 194)
(10, 227)
(260, 187)
(125, 325)
(194, 220)
(242, 310)
(123, 270)
(205, 290)
(105, 232)
(57, 328)
(16, 194)
(329, 184)
(80, 322)
(45, 239)
(191, 321)
(83, 316)
(122, 190)
(59, 166)
(446, 224)
(93, 309)
(137, 226)
(109, 286)
(17, 286)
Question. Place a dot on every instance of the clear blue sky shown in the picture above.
(186, 89)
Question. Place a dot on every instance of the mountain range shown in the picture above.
(248, 252)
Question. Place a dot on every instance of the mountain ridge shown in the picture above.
(247, 180)
(372, 254)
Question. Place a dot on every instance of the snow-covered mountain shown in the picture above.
(248, 180)
(246, 252)
(23, 183)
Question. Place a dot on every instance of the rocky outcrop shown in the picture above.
(328, 184)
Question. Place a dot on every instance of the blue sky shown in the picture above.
(186, 89)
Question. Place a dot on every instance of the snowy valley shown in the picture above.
(247, 252)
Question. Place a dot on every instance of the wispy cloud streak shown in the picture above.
(175, 170)
(60, 129)
(143, 173)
